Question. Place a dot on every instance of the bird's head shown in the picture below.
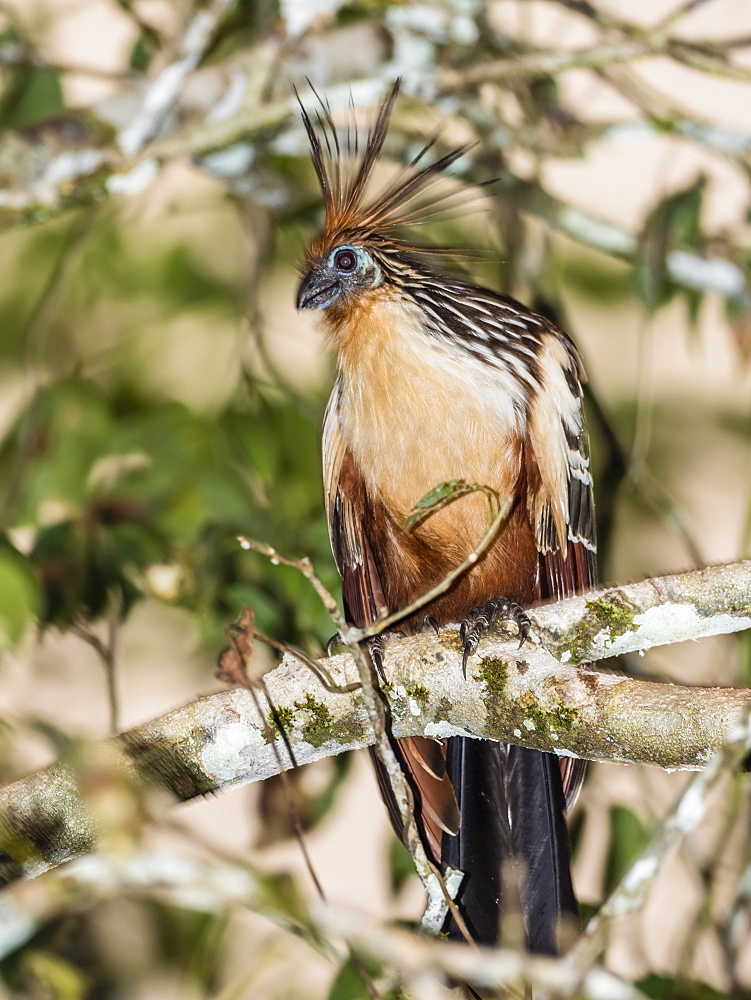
(338, 272)
(359, 248)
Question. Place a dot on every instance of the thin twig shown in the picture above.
(497, 969)
(286, 787)
(315, 666)
(107, 653)
(666, 24)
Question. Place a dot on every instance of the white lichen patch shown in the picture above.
(529, 725)
(414, 707)
(517, 733)
(437, 908)
(563, 752)
(691, 809)
(641, 871)
(667, 623)
(134, 180)
(231, 753)
(442, 730)
(603, 985)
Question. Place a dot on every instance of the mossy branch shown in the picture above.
(536, 696)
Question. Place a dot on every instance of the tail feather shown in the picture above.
(513, 813)
(538, 825)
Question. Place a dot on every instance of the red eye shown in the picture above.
(345, 260)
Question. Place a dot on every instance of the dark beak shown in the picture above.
(316, 291)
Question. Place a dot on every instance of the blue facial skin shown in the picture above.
(348, 269)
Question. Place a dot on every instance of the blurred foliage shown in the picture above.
(673, 224)
(349, 983)
(131, 454)
(401, 867)
(628, 838)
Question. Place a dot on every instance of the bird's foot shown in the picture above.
(376, 647)
(479, 620)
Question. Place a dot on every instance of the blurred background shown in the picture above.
(159, 395)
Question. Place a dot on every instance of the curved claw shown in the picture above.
(376, 646)
(429, 622)
(335, 640)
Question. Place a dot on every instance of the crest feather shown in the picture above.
(344, 185)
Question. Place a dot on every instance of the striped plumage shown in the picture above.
(439, 380)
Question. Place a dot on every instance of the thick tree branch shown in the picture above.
(536, 696)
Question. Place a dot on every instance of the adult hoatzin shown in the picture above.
(440, 380)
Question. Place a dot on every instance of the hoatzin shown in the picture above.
(441, 380)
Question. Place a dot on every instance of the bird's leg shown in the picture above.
(479, 620)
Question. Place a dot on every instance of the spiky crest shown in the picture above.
(344, 186)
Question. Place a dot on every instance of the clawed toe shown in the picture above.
(377, 644)
(479, 620)
(335, 640)
(429, 624)
(376, 647)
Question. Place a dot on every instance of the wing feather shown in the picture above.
(562, 507)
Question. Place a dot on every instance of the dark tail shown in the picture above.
(513, 842)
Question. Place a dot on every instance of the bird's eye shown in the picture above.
(345, 260)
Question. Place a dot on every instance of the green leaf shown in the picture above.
(675, 223)
(348, 983)
(442, 495)
(34, 95)
(53, 977)
(666, 988)
(19, 596)
(401, 865)
(144, 49)
(628, 839)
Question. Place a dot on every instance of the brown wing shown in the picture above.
(562, 509)
(349, 514)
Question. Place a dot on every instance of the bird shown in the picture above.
(441, 380)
